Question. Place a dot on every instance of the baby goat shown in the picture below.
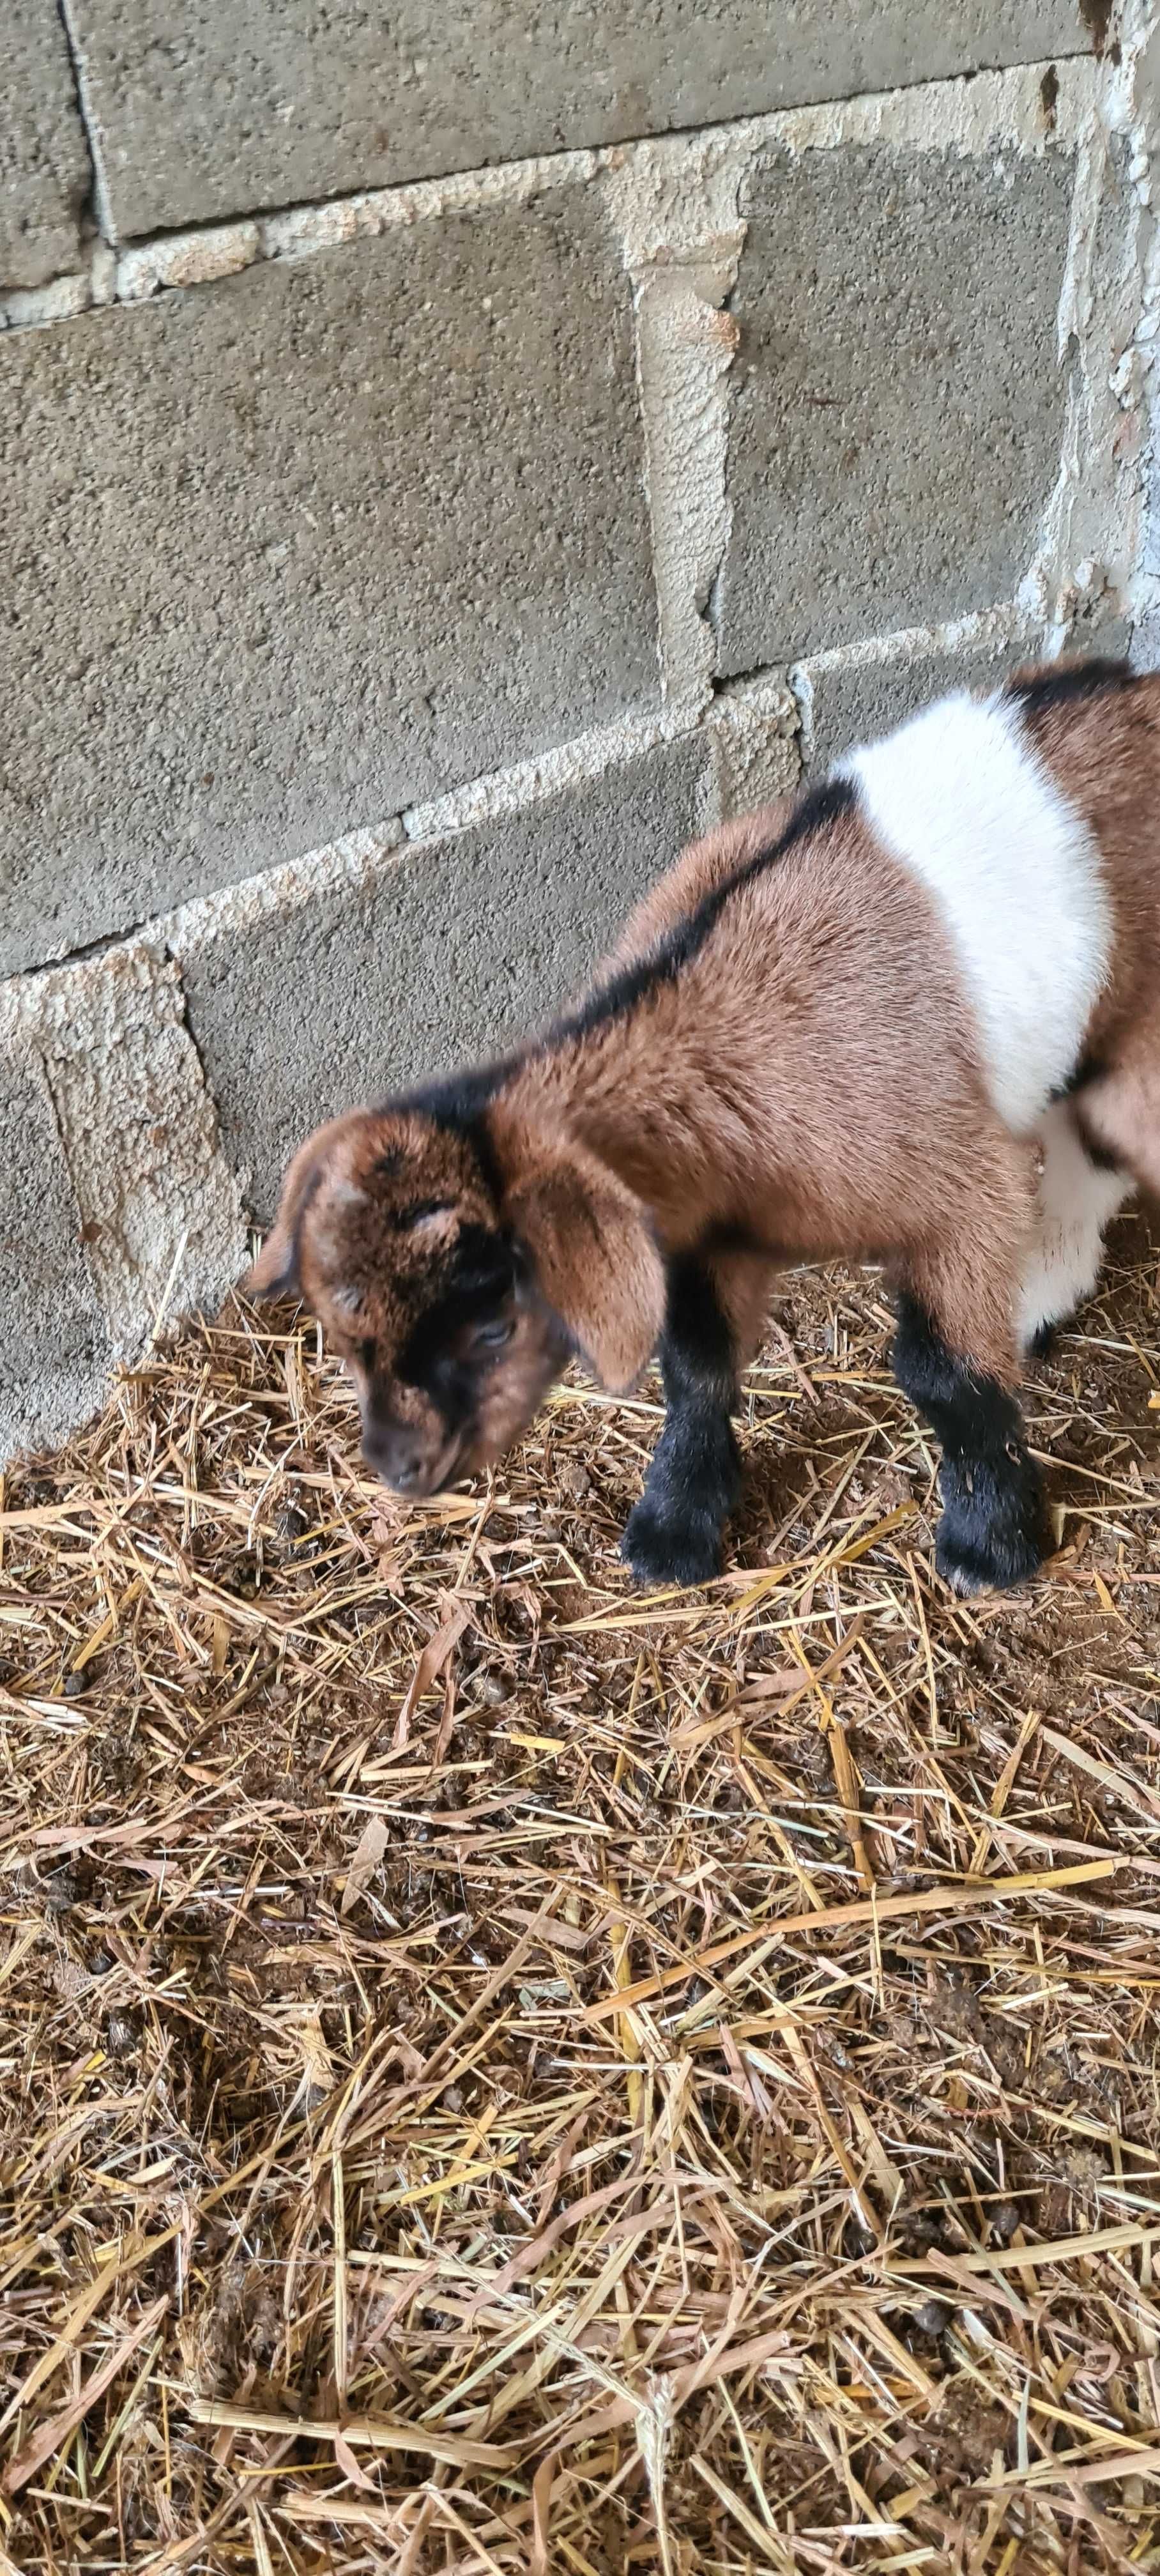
(912, 1018)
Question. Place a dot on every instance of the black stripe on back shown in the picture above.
(458, 1102)
(1059, 688)
(454, 1100)
(821, 805)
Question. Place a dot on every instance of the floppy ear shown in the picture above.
(595, 1259)
(275, 1272)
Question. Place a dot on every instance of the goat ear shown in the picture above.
(275, 1272)
(596, 1260)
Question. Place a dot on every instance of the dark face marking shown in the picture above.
(467, 1382)
(423, 1403)
(456, 1338)
(426, 1297)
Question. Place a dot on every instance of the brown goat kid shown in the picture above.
(913, 1018)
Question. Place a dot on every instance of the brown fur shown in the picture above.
(348, 1241)
(1105, 753)
(742, 1281)
(342, 1240)
(806, 1084)
(700, 869)
(595, 1253)
(735, 1098)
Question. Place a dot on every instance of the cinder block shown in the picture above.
(289, 552)
(237, 104)
(54, 1341)
(44, 162)
(306, 1001)
(846, 703)
(898, 400)
(161, 1217)
(1114, 638)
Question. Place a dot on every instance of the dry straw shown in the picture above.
(501, 2075)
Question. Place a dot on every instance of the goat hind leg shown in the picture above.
(954, 1357)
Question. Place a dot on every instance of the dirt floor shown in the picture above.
(502, 2075)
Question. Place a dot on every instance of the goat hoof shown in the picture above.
(992, 1533)
(659, 1549)
(974, 1555)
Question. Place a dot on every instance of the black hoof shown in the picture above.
(991, 1536)
(660, 1549)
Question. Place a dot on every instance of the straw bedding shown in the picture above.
(498, 2074)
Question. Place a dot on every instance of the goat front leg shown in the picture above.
(714, 1313)
(954, 1356)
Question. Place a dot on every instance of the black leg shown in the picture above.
(674, 1535)
(992, 1532)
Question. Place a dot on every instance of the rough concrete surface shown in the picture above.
(850, 702)
(44, 165)
(898, 400)
(161, 1215)
(289, 552)
(1145, 641)
(238, 104)
(54, 1342)
(448, 950)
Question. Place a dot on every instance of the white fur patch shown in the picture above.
(1076, 1202)
(959, 795)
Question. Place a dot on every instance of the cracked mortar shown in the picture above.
(675, 206)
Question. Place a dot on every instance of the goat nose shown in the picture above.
(396, 1457)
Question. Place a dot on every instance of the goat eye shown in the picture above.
(491, 1337)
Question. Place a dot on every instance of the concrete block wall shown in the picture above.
(450, 457)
